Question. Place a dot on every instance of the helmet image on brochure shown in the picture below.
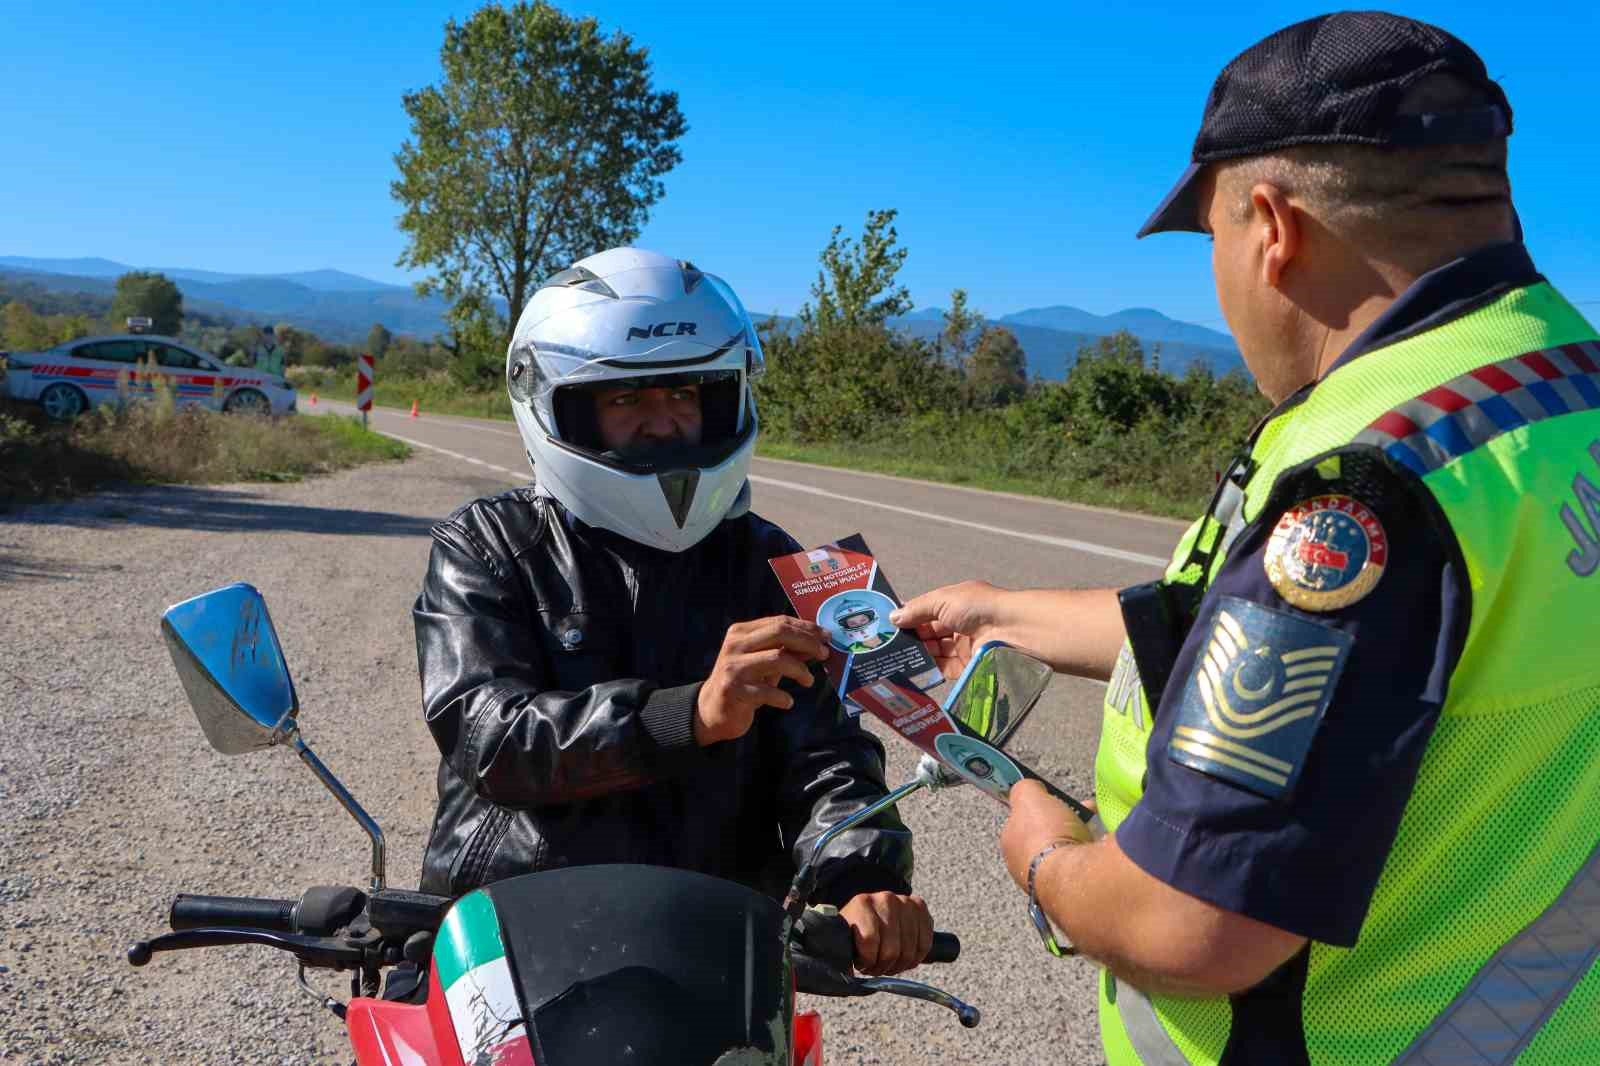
(628, 318)
(857, 620)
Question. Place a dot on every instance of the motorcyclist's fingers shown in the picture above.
(924, 925)
(791, 666)
(891, 938)
(934, 630)
(779, 631)
(866, 934)
(758, 695)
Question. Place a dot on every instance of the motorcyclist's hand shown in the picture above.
(892, 932)
(755, 656)
(953, 621)
(1037, 820)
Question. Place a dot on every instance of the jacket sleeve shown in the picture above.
(831, 769)
(514, 740)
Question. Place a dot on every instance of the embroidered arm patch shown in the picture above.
(1255, 696)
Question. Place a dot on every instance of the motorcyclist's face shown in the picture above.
(635, 421)
(856, 621)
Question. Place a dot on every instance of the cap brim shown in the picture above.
(1179, 212)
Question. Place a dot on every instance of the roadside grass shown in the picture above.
(437, 393)
(1161, 468)
(153, 442)
(979, 470)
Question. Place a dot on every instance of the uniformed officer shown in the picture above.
(1349, 747)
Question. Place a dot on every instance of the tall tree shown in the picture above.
(378, 339)
(144, 294)
(997, 371)
(961, 325)
(856, 285)
(543, 142)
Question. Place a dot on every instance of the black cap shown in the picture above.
(1334, 79)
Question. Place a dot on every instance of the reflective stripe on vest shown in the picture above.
(1469, 411)
(1502, 1009)
(1145, 1031)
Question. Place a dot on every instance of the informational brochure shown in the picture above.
(840, 587)
(883, 670)
(916, 717)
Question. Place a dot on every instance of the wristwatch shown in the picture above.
(1040, 922)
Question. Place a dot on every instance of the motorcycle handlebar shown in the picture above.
(946, 948)
(196, 912)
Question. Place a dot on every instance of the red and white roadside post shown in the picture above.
(364, 386)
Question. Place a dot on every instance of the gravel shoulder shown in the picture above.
(114, 802)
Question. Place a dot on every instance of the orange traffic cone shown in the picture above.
(413, 409)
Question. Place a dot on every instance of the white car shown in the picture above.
(70, 378)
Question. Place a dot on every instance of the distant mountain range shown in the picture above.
(342, 307)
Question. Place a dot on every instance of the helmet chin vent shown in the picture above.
(678, 487)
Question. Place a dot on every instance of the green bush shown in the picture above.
(847, 382)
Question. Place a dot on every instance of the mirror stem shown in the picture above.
(343, 796)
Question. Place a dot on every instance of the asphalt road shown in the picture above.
(1036, 1008)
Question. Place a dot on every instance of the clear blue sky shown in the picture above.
(1022, 144)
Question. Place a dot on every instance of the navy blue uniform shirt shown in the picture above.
(1287, 741)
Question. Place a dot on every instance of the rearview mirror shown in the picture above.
(996, 691)
(231, 665)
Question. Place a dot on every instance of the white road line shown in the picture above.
(1041, 538)
(1084, 546)
(515, 478)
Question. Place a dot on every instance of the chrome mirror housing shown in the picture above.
(996, 692)
(230, 662)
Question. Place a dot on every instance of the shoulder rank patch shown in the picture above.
(1255, 696)
(1326, 552)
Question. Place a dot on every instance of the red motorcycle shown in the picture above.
(591, 964)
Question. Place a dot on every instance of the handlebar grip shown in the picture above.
(946, 948)
(196, 912)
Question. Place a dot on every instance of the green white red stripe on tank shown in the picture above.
(469, 958)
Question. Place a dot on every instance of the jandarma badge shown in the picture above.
(1326, 553)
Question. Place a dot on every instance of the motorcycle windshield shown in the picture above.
(645, 965)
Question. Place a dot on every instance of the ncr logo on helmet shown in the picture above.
(661, 329)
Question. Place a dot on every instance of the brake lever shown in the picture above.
(314, 951)
(966, 1013)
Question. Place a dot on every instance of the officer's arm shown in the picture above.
(1076, 631)
(1286, 747)
(1163, 941)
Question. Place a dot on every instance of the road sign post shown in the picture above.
(364, 386)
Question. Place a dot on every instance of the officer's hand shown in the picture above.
(755, 656)
(1036, 820)
(892, 933)
(952, 620)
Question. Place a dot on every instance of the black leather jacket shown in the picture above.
(560, 665)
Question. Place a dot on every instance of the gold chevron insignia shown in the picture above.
(1256, 694)
(1285, 687)
(1239, 756)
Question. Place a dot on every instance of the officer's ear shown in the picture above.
(1278, 227)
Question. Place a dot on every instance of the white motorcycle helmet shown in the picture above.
(855, 619)
(627, 316)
